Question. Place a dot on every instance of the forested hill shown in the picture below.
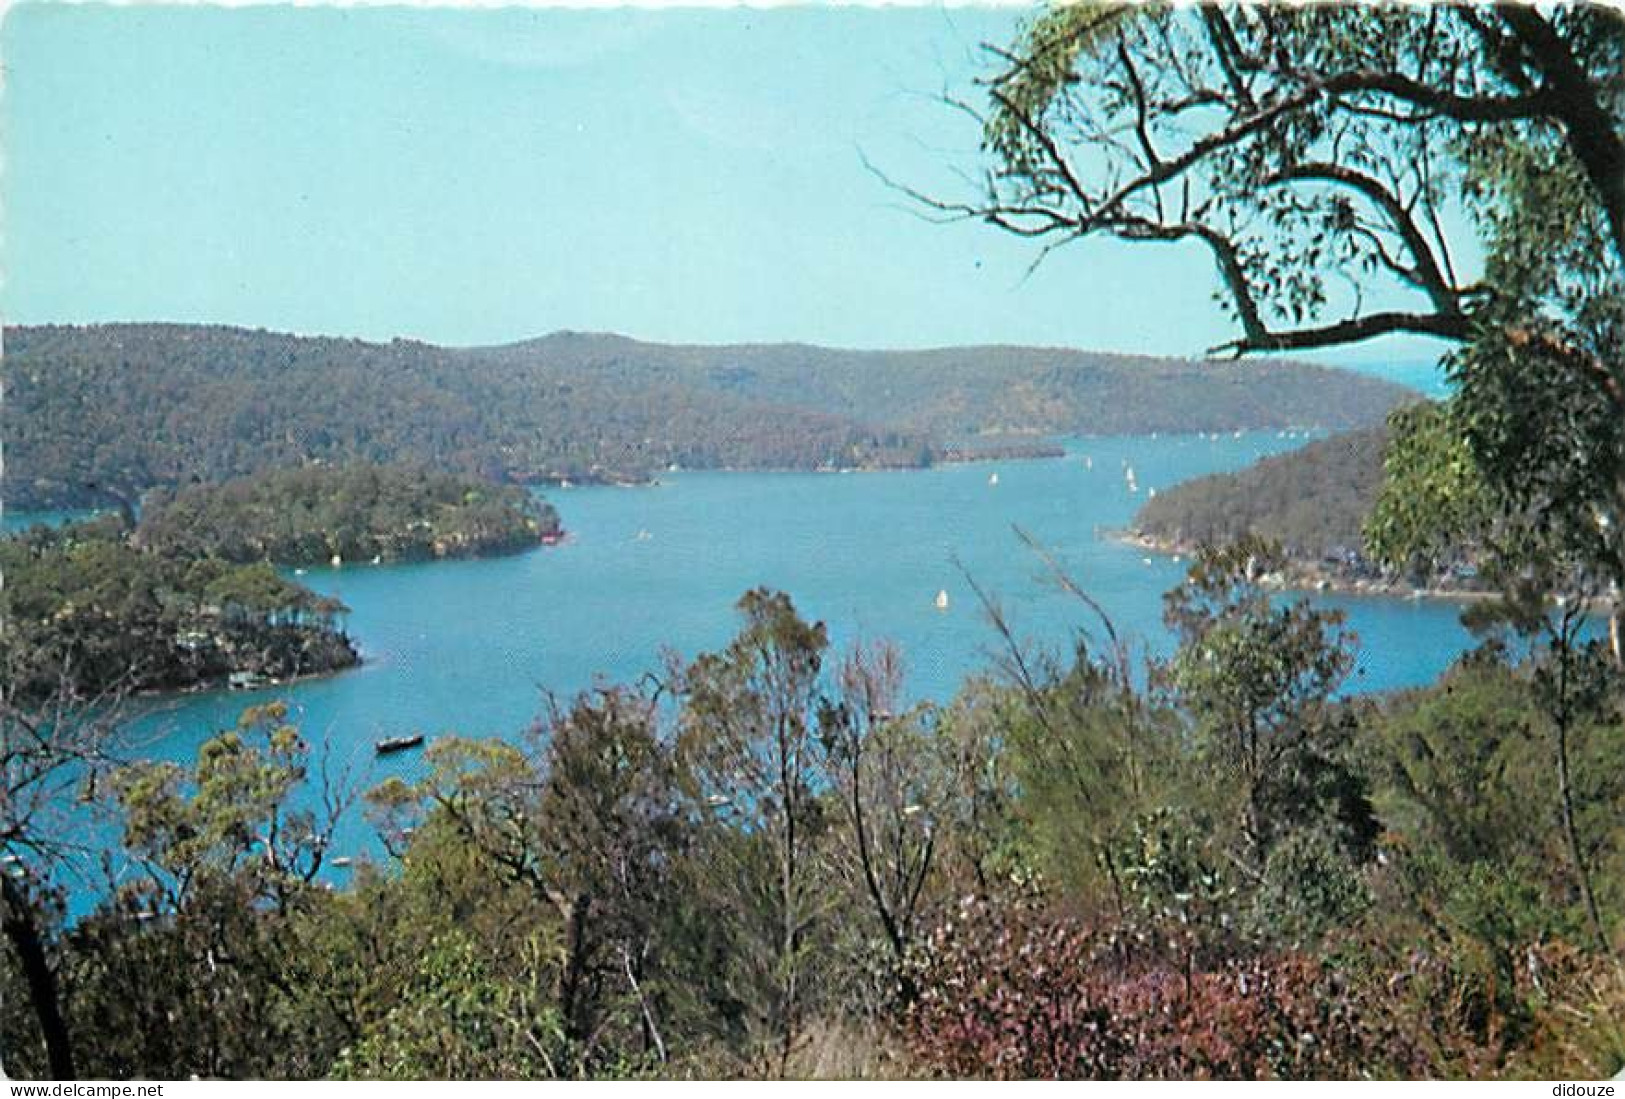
(955, 393)
(1313, 501)
(100, 412)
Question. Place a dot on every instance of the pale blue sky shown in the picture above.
(475, 177)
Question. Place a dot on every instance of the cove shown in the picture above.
(470, 646)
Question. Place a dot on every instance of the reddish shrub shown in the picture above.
(1022, 993)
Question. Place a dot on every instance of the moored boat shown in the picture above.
(391, 745)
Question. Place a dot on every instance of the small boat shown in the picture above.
(552, 538)
(1150, 494)
(337, 561)
(299, 572)
(942, 600)
(993, 479)
(1088, 462)
(394, 744)
(378, 559)
(643, 536)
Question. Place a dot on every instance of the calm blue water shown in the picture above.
(469, 647)
(12, 522)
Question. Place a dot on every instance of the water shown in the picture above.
(470, 646)
(15, 522)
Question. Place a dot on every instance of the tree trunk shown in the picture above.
(1572, 834)
(1616, 629)
(1589, 129)
(23, 930)
(572, 990)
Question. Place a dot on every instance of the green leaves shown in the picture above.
(1435, 505)
(1046, 55)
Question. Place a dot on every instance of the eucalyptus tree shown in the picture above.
(1337, 162)
(53, 750)
(1260, 682)
(894, 780)
(749, 739)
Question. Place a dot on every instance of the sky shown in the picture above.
(475, 177)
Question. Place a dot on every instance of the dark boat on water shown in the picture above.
(398, 744)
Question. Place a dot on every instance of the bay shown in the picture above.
(470, 647)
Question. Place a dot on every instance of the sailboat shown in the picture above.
(1088, 462)
(992, 478)
(942, 600)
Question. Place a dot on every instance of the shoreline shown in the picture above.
(1299, 577)
(224, 685)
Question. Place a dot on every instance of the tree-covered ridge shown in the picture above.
(1313, 502)
(101, 412)
(89, 614)
(361, 512)
(956, 393)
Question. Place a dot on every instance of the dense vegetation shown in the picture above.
(362, 512)
(768, 866)
(91, 615)
(1314, 502)
(1218, 865)
(101, 413)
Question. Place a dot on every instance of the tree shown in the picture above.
(190, 963)
(1538, 532)
(1296, 143)
(895, 788)
(230, 817)
(591, 829)
(1260, 682)
(611, 814)
(53, 751)
(1311, 146)
(748, 738)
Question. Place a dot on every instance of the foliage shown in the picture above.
(1433, 506)
(86, 607)
(1307, 147)
(1260, 681)
(763, 859)
(1020, 992)
(306, 516)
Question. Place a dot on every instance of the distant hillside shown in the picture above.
(1312, 500)
(97, 412)
(954, 393)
